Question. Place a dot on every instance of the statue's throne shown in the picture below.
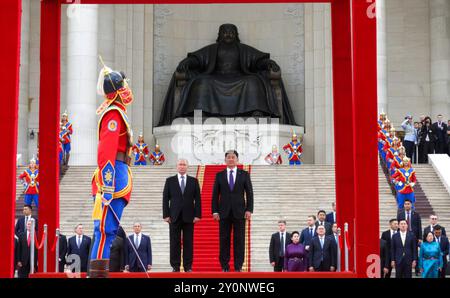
(275, 81)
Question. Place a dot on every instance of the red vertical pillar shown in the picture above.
(49, 123)
(343, 117)
(10, 15)
(364, 56)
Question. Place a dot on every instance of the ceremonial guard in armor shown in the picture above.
(140, 150)
(30, 179)
(274, 158)
(294, 150)
(392, 151)
(157, 157)
(112, 180)
(65, 136)
(405, 179)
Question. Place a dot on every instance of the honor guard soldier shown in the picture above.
(30, 179)
(294, 150)
(65, 136)
(274, 158)
(140, 150)
(157, 157)
(405, 179)
(112, 180)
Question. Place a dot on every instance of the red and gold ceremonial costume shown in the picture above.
(112, 180)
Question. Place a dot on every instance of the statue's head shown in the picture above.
(228, 33)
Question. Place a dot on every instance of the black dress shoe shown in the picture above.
(238, 270)
(175, 270)
(225, 270)
(189, 270)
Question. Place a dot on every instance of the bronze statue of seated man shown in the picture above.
(227, 79)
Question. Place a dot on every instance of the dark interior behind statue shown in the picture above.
(227, 79)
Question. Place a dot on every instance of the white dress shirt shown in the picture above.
(393, 232)
(403, 236)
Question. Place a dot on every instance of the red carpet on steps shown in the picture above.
(206, 233)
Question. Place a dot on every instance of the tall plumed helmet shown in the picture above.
(109, 81)
(112, 85)
(65, 114)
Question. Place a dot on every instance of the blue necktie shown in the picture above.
(231, 183)
(321, 243)
(311, 232)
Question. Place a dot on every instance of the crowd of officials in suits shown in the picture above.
(405, 247)
(315, 248)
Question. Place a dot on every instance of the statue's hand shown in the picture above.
(272, 65)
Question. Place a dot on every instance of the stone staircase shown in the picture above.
(436, 193)
(281, 192)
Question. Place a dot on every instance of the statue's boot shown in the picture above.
(99, 268)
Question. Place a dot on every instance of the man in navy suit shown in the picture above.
(22, 221)
(321, 216)
(142, 245)
(322, 252)
(80, 245)
(181, 210)
(387, 237)
(331, 217)
(430, 228)
(232, 205)
(277, 247)
(412, 219)
(309, 232)
(403, 251)
(444, 244)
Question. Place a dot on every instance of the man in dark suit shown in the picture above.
(412, 219)
(384, 258)
(62, 252)
(23, 253)
(331, 217)
(322, 252)
(142, 245)
(403, 251)
(117, 253)
(278, 243)
(387, 237)
(232, 205)
(22, 221)
(309, 232)
(321, 216)
(444, 244)
(80, 245)
(181, 209)
(430, 228)
(440, 127)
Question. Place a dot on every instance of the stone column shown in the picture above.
(319, 138)
(22, 141)
(82, 72)
(381, 56)
(440, 57)
(34, 73)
